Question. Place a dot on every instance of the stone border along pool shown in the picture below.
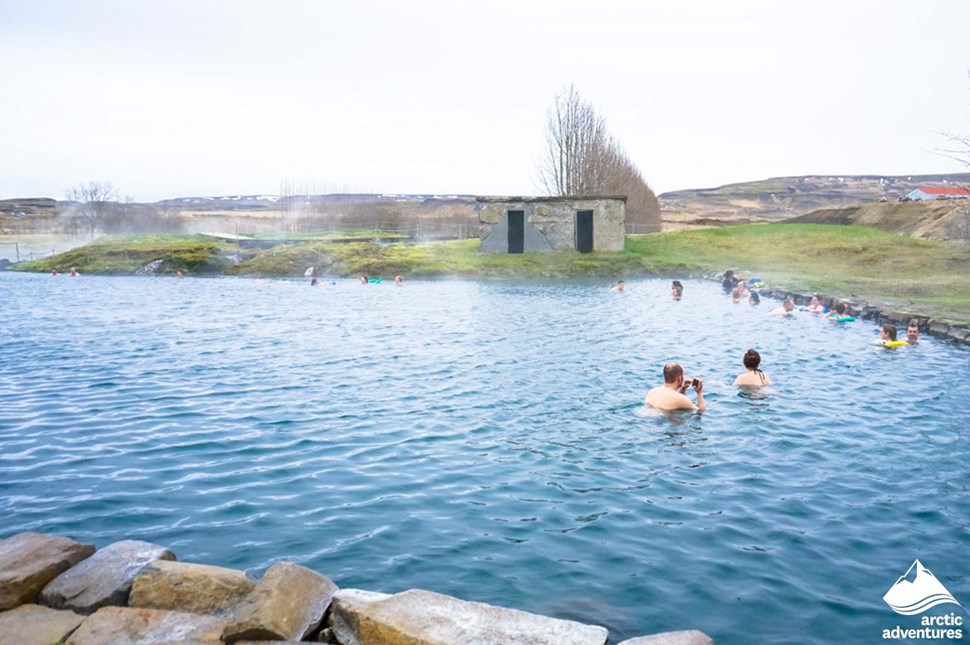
(57, 590)
(945, 329)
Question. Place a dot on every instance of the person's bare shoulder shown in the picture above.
(653, 397)
(663, 398)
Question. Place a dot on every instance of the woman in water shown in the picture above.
(752, 376)
(816, 307)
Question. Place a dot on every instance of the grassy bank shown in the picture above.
(125, 254)
(851, 261)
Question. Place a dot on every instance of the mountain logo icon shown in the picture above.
(923, 592)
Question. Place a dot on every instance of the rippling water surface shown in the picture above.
(486, 440)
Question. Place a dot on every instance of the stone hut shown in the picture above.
(528, 224)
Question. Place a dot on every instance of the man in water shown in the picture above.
(786, 308)
(619, 286)
(670, 395)
(912, 332)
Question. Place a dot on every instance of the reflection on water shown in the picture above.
(488, 440)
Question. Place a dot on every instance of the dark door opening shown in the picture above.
(584, 231)
(516, 231)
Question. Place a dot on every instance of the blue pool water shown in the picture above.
(486, 440)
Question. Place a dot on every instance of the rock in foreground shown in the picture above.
(36, 625)
(288, 604)
(182, 586)
(686, 637)
(103, 579)
(117, 625)
(28, 561)
(419, 617)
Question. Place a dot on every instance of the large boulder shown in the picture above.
(36, 625)
(103, 579)
(28, 561)
(418, 617)
(288, 603)
(122, 625)
(181, 586)
(685, 637)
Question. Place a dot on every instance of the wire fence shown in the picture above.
(15, 252)
(633, 228)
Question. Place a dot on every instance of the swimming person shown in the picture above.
(729, 281)
(816, 306)
(840, 313)
(670, 395)
(888, 334)
(618, 287)
(314, 282)
(912, 332)
(754, 298)
(753, 376)
(740, 292)
(54, 272)
(362, 277)
(399, 280)
(73, 272)
(786, 308)
(676, 289)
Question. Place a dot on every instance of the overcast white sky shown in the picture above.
(182, 98)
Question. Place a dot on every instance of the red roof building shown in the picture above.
(925, 193)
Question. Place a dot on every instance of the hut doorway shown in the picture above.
(516, 231)
(584, 231)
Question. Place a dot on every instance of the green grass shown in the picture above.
(850, 261)
(125, 254)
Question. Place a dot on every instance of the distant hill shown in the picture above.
(783, 197)
(28, 206)
(941, 220)
(277, 202)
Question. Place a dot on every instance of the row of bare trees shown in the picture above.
(96, 206)
(581, 158)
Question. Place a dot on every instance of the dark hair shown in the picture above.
(890, 329)
(840, 308)
(752, 359)
(755, 298)
(914, 323)
(677, 285)
(672, 371)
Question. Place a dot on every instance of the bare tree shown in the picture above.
(581, 159)
(94, 201)
(957, 146)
